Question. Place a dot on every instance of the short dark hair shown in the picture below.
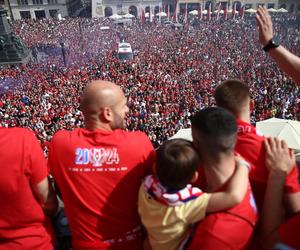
(217, 128)
(231, 95)
(177, 161)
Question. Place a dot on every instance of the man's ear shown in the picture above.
(195, 177)
(251, 104)
(107, 114)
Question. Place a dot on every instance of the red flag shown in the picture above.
(175, 14)
(242, 12)
(225, 12)
(219, 10)
(234, 10)
(159, 17)
(143, 19)
(209, 12)
(186, 13)
(200, 13)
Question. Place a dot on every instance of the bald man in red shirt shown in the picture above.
(99, 170)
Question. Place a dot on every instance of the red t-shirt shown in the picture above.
(99, 174)
(250, 145)
(228, 230)
(289, 232)
(21, 216)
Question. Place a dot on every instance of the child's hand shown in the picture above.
(279, 159)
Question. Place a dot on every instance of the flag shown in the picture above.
(143, 19)
(186, 13)
(219, 10)
(150, 15)
(209, 12)
(159, 17)
(225, 12)
(175, 14)
(242, 12)
(234, 10)
(200, 13)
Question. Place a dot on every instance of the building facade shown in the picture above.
(37, 9)
(106, 8)
(290, 5)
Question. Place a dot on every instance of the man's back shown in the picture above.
(222, 230)
(22, 166)
(251, 146)
(99, 174)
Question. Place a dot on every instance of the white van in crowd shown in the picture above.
(125, 51)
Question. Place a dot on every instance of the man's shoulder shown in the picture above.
(250, 138)
(132, 137)
(61, 134)
(63, 137)
(18, 132)
(139, 135)
(251, 147)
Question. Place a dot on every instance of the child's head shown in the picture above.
(177, 161)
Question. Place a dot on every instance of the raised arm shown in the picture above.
(280, 161)
(286, 61)
(235, 192)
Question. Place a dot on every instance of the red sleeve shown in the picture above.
(289, 232)
(150, 156)
(37, 165)
(292, 181)
(222, 231)
(206, 239)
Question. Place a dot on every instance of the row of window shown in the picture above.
(272, 5)
(39, 14)
(35, 2)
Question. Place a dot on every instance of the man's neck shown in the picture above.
(218, 172)
(244, 117)
(95, 125)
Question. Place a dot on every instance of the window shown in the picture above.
(260, 4)
(22, 2)
(39, 14)
(271, 5)
(283, 6)
(25, 14)
(53, 13)
(248, 6)
(2, 2)
(52, 1)
(37, 1)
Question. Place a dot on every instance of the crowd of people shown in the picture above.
(97, 115)
(172, 74)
